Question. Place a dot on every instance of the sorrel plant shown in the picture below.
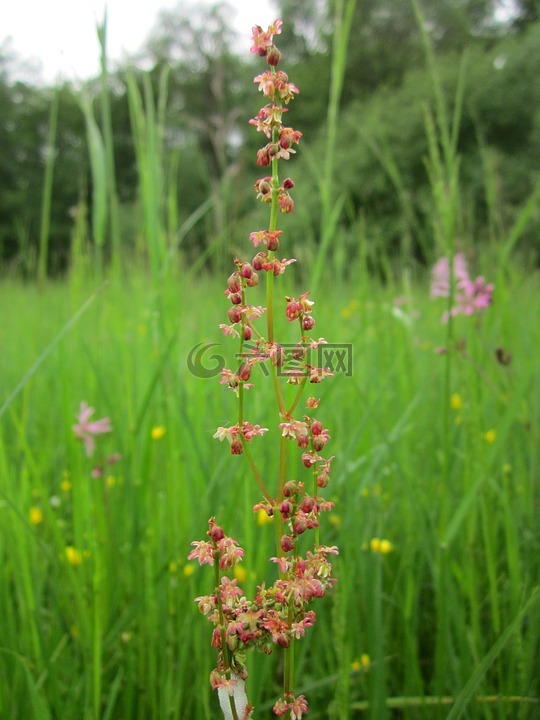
(280, 613)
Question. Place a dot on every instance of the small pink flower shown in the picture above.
(227, 433)
(203, 552)
(229, 591)
(250, 431)
(85, 430)
(298, 707)
(229, 330)
(230, 553)
(262, 41)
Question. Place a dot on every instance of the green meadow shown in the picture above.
(435, 428)
(436, 454)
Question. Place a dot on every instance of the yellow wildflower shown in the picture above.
(73, 555)
(173, 566)
(158, 432)
(263, 518)
(111, 481)
(375, 544)
(361, 664)
(36, 515)
(65, 485)
(189, 569)
(490, 436)
(380, 546)
(240, 573)
(385, 547)
(456, 403)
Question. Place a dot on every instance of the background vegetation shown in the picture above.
(196, 96)
(121, 205)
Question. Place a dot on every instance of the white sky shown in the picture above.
(60, 35)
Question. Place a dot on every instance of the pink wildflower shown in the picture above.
(440, 274)
(203, 552)
(85, 430)
(227, 433)
(298, 706)
(229, 330)
(262, 41)
(230, 553)
(250, 431)
(474, 296)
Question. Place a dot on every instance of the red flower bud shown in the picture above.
(285, 509)
(308, 323)
(273, 56)
(287, 543)
(216, 533)
(322, 480)
(234, 314)
(247, 332)
(253, 280)
(258, 261)
(290, 489)
(272, 244)
(283, 640)
(300, 524)
(236, 298)
(316, 427)
(308, 460)
(318, 443)
(236, 447)
(263, 156)
(233, 283)
(245, 373)
(288, 184)
(293, 309)
(246, 270)
(307, 504)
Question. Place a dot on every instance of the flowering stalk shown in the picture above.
(279, 614)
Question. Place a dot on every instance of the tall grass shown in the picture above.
(116, 635)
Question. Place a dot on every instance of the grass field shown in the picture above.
(437, 454)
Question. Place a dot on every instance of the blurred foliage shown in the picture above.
(210, 97)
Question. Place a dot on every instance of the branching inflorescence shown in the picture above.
(279, 614)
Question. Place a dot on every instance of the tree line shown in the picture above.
(198, 88)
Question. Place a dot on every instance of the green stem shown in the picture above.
(288, 672)
(256, 474)
(298, 396)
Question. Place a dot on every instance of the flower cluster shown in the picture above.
(471, 296)
(280, 613)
